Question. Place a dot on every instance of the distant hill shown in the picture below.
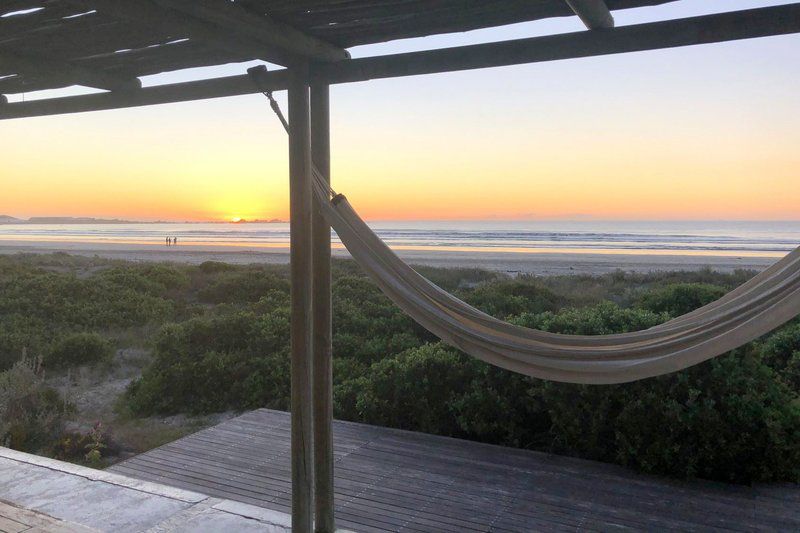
(258, 221)
(74, 220)
(5, 219)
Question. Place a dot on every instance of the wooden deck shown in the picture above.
(391, 480)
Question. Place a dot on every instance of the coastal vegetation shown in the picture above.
(215, 337)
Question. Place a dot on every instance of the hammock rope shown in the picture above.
(753, 309)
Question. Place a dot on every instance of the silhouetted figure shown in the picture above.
(174, 240)
(168, 241)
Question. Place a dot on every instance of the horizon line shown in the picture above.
(278, 220)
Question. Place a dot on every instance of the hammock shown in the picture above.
(750, 311)
(755, 308)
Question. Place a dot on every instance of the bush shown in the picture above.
(602, 319)
(205, 365)
(222, 342)
(503, 299)
(782, 353)
(729, 419)
(215, 267)
(243, 287)
(31, 414)
(726, 419)
(90, 448)
(38, 307)
(79, 349)
(366, 325)
(415, 390)
(679, 299)
(19, 334)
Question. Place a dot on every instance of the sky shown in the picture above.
(696, 133)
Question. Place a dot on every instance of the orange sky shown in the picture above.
(698, 133)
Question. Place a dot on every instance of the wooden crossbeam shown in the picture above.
(731, 26)
(67, 73)
(594, 13)
(746, 24)
(224, 26)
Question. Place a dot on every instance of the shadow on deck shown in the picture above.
(392, 480)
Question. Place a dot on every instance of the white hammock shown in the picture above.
(760, 305)
(765, 302)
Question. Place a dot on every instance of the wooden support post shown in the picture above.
(300, 204)
(322, 373)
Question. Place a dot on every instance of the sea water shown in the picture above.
(750, 239)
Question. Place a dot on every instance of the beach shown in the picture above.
(535, 263)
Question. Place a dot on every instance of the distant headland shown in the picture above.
(5, 219)
(258, 221)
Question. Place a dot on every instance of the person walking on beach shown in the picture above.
(174, 240)
(168, 241)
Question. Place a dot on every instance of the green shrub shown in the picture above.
(90, 448)
(31, 413)
(243, 286)
(220, 338)
(79, 349)
(781, 352)
(728, 419)
(453, 279)
(681, 298)
(38, 307)
(503, 299)
(366, 325)
(414, 390)
(215, 267)
(602, 319)
(19, 334)
(212, 364)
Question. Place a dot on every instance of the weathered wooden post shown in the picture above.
(322, 371)
(300, 204)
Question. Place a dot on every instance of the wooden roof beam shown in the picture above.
(594, 13)
(746, 24)
(225, 26)
(67, 73)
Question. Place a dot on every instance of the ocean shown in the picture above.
(739, 239)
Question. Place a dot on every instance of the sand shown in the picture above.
(508, 262)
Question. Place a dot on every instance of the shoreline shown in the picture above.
(536, 263)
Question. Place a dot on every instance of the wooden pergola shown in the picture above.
(110, 44)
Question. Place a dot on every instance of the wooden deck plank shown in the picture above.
(395, 480)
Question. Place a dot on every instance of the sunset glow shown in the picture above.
(704, 132)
